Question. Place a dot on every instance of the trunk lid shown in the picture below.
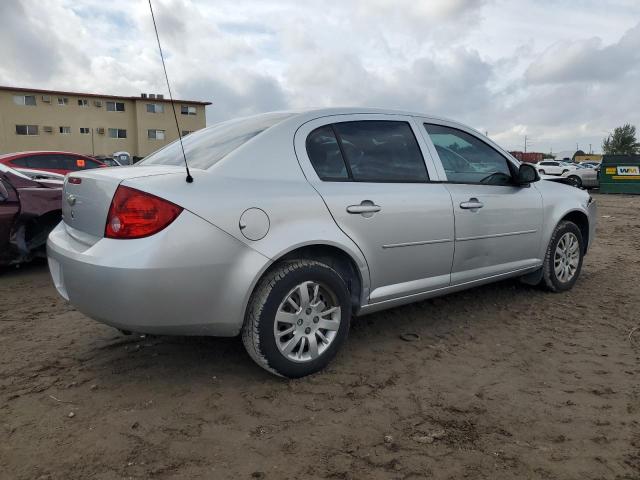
(85, 205)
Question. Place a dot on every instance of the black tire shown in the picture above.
(258, 330)
(550, 279)
(541, 172)
(575, 180)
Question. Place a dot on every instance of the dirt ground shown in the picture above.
(505, 381)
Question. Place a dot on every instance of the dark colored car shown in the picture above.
(56, 162)
(29, 210)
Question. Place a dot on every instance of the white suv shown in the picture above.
(552, 167)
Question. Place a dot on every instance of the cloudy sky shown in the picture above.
(562, 72)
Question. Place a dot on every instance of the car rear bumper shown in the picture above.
(189, 279)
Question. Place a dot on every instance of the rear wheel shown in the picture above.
(563, 260)
(297, 319)
(575, 180)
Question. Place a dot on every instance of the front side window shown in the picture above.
(117, 133)
(155, 134)
(65, 130)
(381, 151)
(26, 130)
(467, 159)
(324, 152)
(187, 110)
(24, 100)
(115, 106)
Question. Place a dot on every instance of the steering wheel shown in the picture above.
(497, 178)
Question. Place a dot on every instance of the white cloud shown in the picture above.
(562, 72)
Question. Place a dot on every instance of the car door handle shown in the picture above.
(365, 207)
(472, 204)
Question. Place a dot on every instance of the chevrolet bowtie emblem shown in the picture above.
(71, 200)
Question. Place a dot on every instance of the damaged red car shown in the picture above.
(29, 210)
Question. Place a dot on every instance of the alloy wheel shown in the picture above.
(567, 257)
(307, 321)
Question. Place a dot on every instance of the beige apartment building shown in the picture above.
(92, 124)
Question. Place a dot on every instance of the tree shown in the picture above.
(622, 141)
(578, 152)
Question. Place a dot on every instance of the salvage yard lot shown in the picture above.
(503, 381)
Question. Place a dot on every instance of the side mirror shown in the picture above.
(527, 174)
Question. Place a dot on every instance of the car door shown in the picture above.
(498, 225)
(373, 177)
(9, 208)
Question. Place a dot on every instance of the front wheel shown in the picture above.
(563, 260)
(297, 319)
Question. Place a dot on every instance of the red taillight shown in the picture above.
(136, 214)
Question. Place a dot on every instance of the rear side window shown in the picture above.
(324, 153)
(45, 161)
(467, 159)
(20, 162)
(367, 151)
(381, 151)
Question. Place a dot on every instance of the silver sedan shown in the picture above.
(297, 221)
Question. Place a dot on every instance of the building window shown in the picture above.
(155, 134)
(186, 132)
(63, 101)
(26, 130)
(83, 102)
(155, 108)
(117, 133)
(115, 106)
(187, 110)
(85, 130)
(65, 130)
(24, 100)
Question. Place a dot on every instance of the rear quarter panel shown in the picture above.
(264, 173)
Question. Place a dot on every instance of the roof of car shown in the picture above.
(39, 152)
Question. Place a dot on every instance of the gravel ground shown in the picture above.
(505, 381)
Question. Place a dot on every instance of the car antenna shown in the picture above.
(173, 106)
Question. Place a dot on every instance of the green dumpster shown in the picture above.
(620, 174)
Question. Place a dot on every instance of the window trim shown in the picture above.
(350, 178)
(118, 130)
(27, 134)
(115, 106)
(24, 101)
(436, 156)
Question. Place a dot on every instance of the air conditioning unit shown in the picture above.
(100, 130)
(143, 95)
(98, 103)
(47, 129)
(46, 98)
(152, 95)
(159, 96)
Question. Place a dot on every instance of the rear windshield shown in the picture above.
(206, 147)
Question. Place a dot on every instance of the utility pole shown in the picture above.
(525, 144)
(590, 150)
